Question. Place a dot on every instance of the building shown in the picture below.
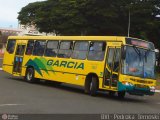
(23, 30)
(31, 30)
(15, 31)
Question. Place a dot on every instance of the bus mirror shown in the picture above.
(123, 52)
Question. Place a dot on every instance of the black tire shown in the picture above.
(93, 86)
(121, 94)
(29, 76)
(87, 86)
(112, 93)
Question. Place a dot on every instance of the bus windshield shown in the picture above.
(139, 62)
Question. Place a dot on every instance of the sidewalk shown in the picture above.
(1, 62)
(157, 91)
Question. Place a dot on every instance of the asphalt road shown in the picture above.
(18, 96)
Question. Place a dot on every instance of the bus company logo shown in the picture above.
(4, 117)
(39, 64)
(47, 65)
(66, 64)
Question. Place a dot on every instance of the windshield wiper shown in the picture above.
(138, 52)
(146, 54)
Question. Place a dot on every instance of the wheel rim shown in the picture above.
(29, 75)
(91, 85)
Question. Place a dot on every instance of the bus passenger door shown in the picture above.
(18, 58)
(112, 67)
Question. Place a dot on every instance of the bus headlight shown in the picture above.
(152, 89)
(127, 83)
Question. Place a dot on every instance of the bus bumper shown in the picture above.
(133, 90)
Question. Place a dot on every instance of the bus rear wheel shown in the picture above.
(29, 76)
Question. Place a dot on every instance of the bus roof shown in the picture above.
(122, 39)
(107, 38)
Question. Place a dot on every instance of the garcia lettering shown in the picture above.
(65, 64)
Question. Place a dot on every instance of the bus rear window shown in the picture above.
(11, 46)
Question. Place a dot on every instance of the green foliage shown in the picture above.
(28, 14)
(95, 17)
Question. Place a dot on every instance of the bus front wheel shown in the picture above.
(121, 94)
(91, 85)
(112, 93)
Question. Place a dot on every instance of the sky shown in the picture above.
(9, 12)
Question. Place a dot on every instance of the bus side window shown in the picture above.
(39, 47)
(20, 50)
(65, 49)
(30, 46)
(80, 50)
(51, 49)
(11, 46)
(97, 51)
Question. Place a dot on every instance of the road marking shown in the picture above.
(157, 90)
(2, 105)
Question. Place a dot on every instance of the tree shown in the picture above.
(0, 37)
(28, 14)
(95, 17)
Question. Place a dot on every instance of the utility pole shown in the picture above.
(129, 23)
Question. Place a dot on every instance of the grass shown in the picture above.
(158, 83)
(158, 76)
(158, 79)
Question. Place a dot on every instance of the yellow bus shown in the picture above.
(109, 63)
